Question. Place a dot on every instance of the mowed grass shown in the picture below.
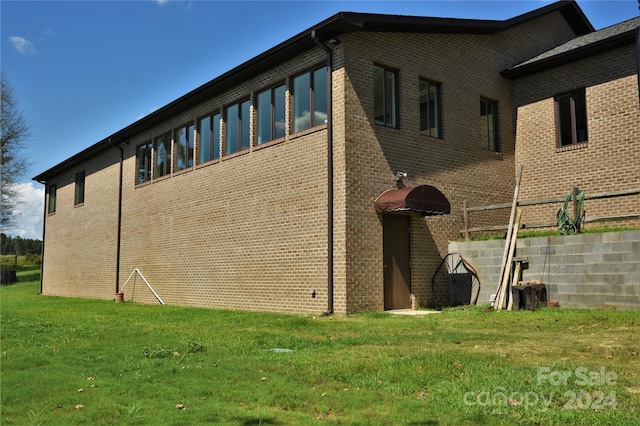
(77, 361)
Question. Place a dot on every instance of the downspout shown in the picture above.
(638, 55)
(329, 172)
(119, 217)
(44, 228)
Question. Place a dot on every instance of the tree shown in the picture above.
(14, 132)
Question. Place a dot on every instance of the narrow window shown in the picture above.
(209, 145)
(310, 99)
(430, 118)
(79, 198)
(162, 153)
(271, 113)
(385, 97)
(489, 124)
(52, 198)
(143, 162)
(571, 113)
(237, 127)
(183, 147)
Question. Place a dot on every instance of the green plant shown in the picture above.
(194, 345)
(157, 351)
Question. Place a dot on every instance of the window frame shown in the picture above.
(242, 126)
(167, 142)
(189, 147)
(574, 125)
(79, 188)
(272, 114)
(147, 167)
(438, 106)
(492, 144)
(213, 139)
(52, 197)
(390, 119)
(315, 99)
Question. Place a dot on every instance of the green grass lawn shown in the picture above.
(77, 361)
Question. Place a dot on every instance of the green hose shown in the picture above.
(568, 225)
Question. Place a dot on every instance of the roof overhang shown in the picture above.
(340, 23)
(424, 199)
(571, 55)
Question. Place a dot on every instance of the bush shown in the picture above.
(31, 259)
(9, 262)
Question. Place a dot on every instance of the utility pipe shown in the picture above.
(119, 217)
(44, 228)
(330, 268)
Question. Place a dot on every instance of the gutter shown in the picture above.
(637, 41)
(119, 237)
(330, 266)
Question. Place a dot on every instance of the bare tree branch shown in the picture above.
(14, 132)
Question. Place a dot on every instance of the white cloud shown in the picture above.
(22, 45)
(161, 2)
(29, 212)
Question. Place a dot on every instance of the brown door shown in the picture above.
(396, 256)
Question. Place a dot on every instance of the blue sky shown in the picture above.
(82, 70)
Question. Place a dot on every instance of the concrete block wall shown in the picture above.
(579, 271)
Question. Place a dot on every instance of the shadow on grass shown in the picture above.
(29, 276)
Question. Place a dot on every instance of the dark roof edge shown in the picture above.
(569, 9)
(201, 93)
(572, 55)
(340, 23)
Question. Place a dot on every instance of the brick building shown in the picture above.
(324, 175)
(592, 80)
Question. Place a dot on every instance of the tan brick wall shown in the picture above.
(610, 161)
(468, 68)
(250, 232)
(80, 241)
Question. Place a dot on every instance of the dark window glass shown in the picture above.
(271, 114)
(52, 198)
(79, 196)
(245, 125)
(430, 120)
(162, 149)
(571, 110)
(489, 124)
(385, 98)
(319, 96)
(209, 130)
(264, 117)
(183, 142)
(238, 127)
(143, 162)
(279, 108)
(310, 99)
(231, 127)
(302, 102)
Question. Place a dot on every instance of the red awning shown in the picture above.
(424, 199)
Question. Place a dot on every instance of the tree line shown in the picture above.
(19, 246)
